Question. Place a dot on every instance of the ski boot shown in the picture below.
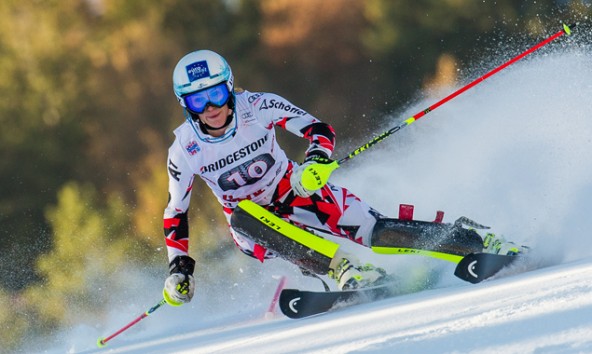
(349, 276)
(498, 245)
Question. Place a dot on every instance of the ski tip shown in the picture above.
(290, 303)
(476, 267)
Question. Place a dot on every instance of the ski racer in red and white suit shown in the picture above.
(229, 141)
(251, 165)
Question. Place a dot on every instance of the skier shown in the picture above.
(228, 140)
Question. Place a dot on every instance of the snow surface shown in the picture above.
(514, 152)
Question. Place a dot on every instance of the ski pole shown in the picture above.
(101, 342)
(316, 175)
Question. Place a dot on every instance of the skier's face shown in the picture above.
(215, 117)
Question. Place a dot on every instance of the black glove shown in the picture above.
(180, 285)
(182, 264)
(317, 157)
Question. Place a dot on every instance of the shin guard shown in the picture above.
(288, 241)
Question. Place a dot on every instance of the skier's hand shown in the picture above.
(296, 178)
(180, 285)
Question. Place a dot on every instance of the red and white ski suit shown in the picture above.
(251, 165)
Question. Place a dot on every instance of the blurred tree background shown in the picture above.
(87, 113)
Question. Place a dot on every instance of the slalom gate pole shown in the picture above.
(316, 175)
(276, 296)
(101, 342)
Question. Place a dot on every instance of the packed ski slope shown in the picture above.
(544, 311)
(515, 153)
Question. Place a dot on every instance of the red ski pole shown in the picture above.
(101, 342)
(316, 175)
(566, 30)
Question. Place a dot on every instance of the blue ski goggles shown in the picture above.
(216, 96)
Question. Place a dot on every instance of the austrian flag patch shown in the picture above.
(192, 148)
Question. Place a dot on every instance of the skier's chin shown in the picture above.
(212, 127)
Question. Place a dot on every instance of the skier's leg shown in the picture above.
(308, 251)
(331, 210)
(259, 226)
(413, 234)
(247, 245)
(456, 239)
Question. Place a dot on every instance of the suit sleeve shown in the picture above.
(282, 113)
(176, 226)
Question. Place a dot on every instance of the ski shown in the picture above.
(476, 267)
(295, 303)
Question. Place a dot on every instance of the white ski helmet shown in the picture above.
(199, 70)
